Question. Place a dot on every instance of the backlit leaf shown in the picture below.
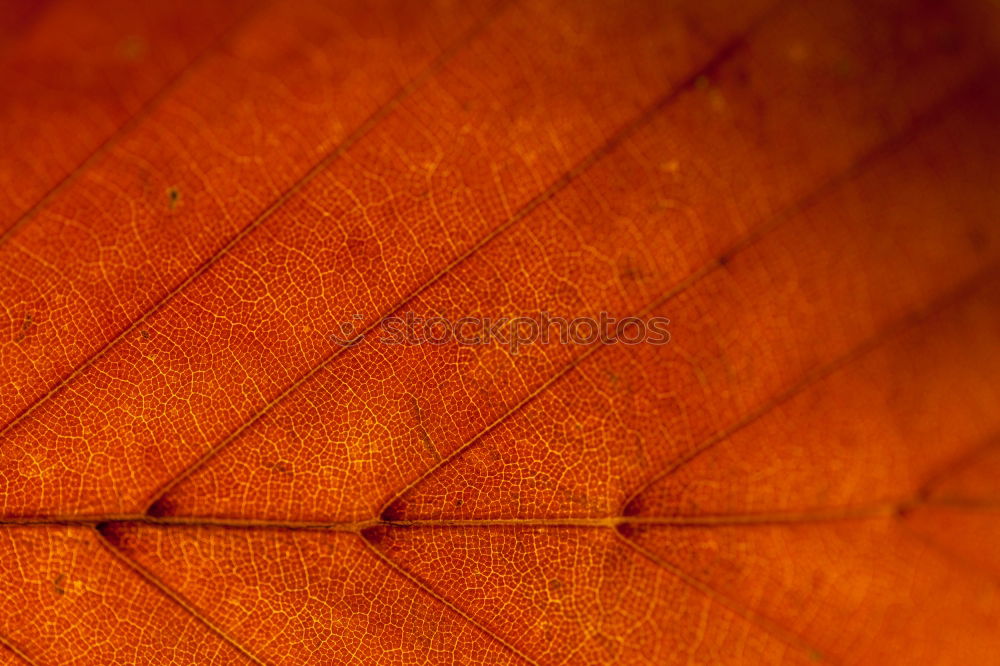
(215, 216)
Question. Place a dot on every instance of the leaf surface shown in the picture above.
(192, 469)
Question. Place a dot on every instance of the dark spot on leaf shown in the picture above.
(280, 467)
(375, 535)
(459, 502)
(144, 333)
(173, 198)
(633, 507)
(626, 530)
(393, 512)
(25, 327)
(57, 584)
(160, 508)
(629, 270)
(113, 533)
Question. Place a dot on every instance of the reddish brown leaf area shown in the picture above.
(77, 73)
(196, 198)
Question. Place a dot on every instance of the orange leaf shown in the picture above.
(224, 224)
